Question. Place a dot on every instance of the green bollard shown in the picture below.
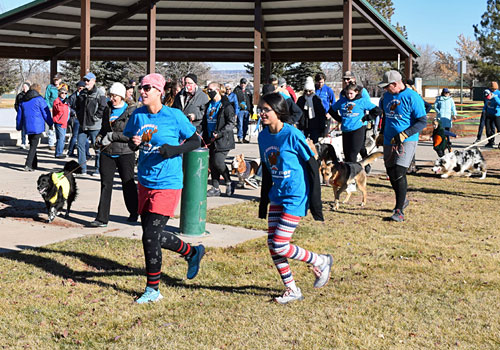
(194, 193)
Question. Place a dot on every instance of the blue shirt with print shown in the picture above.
(168, 126)
(401, 111)
(211, 113)
(493, 105)
(352, 111)
(327, 96)
(285, 155)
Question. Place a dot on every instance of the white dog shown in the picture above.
(460, 162)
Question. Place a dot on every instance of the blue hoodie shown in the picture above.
(445, 109)
(33, 113)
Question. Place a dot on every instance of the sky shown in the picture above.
(428, 22)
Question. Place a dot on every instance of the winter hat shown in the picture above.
(81, 83)
(309, 85)
(243, 81)
(487, 92)
(193, 77)
(348, 75)
(445, 91)
(155, 80)
(281, 81)
(118, 89)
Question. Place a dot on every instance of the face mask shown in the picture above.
(212, 94)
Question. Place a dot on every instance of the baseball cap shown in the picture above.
(348, 75)
(445, 91)
(57, 76)
(89, 76)
(81, 83)
(243, 81)
(390, 77)
(487, 92)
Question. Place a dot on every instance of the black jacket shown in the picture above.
(315, 204)
(19, 99)
(319, 121)
(119, 144)
(90, 107)
(246, 97)
(223, 128)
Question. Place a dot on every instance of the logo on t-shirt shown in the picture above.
(391, 107)
(146, 132)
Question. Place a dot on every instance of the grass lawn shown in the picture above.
(432, 282)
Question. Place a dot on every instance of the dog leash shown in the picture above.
(479, 142)
(80, 165)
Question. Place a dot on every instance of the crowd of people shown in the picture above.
(162, 120)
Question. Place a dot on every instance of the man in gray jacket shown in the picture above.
(90, 105)
(192, 101)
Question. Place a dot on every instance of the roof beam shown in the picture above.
(96, 6)
(68, 18)
(31, 11)
(127, 12)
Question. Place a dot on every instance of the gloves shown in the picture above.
(167, 151)
(97, 142)
(106, 140)
(366, 118)
(380, 140)
(399, 138)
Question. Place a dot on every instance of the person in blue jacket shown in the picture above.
(290, 183)
(445, 112)
(404, 118)
(492, 116)
(161, 134)
(353, 111)
(32, 115)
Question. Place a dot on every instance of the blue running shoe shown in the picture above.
(150, 296)
(194, 261)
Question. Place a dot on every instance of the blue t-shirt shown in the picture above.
(352, 111)
(117, 111)
(493, 105)
(401, 111)
(327, 96)
(285, 155)
(169, 126)
(212, 111)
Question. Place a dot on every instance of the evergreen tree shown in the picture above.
(277, 68)
(487, 33)
(297, 73)
(7, 76)
(106, 72)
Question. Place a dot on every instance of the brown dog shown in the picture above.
(244, 169)
(345, 173)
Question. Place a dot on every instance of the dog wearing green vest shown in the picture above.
(58, 188)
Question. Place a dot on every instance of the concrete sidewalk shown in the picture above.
(23, 213)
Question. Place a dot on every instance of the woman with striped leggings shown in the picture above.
(290, 183)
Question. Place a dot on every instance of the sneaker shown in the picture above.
(246, 141)
(132, 218)
(52, 148)
(150, 296)
(96, 174)
(398, 216)
(289, 296)
(478, 140)
(230, 189)
(240, 140)
(97, 223)
(61, 156)
(405, 205)
(213, 192)
(27, 168)
(23, 146)
(323, 272)
(194, 261)
(252, 182)
(490, 145)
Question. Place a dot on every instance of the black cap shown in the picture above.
(80, 84)
(243, 81)
(193, 77)
(267, 89)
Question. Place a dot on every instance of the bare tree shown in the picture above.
(425, 66)
(31, 71)
(468, 50)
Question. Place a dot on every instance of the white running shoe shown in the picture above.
(323, 272)
(289, 296)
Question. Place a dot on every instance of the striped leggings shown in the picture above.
(280, 230)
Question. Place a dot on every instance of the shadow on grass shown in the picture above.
(103, 267)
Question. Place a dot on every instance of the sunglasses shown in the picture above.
(63, 93)
(146, 88)
(346, 79)
(86, 80)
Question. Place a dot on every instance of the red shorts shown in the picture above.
(163, 202)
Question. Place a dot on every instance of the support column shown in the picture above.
(151, 64)
(408, 67)
(53, 67)
(85, 38)
(347, 37)
(257, 46)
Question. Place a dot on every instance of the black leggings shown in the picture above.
(153, 239)
(352, 143)
(218, 166)
(397, 176)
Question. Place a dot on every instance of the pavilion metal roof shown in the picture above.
(293, 30)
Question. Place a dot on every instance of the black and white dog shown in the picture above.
(461, 163)
(58, 188)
